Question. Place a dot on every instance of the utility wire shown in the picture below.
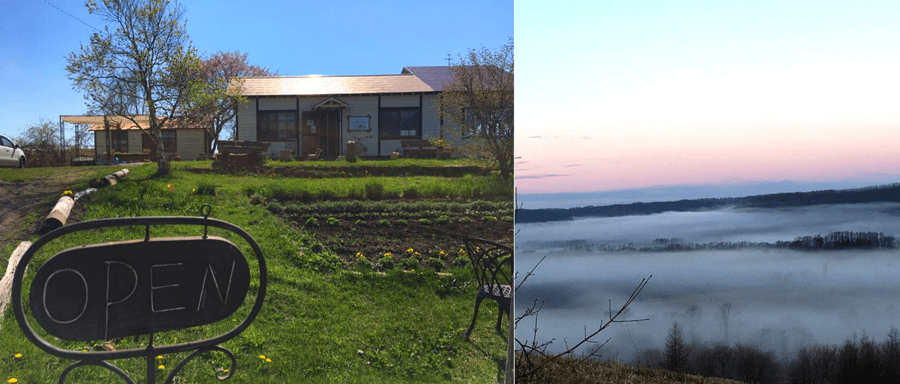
(70, 15)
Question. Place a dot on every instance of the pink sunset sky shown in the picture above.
(624, 96)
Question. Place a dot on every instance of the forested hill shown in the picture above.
(881, 193)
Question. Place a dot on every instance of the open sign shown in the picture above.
(113, 290)
(135, 287)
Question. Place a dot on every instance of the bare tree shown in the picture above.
(479, 99)
(726, 313)
(41, 143)
(215, 97)
(143, 66)
(533, 356)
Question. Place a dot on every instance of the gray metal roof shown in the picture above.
(434, 76)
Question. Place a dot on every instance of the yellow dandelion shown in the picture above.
(161, 366)
(12, 380)
(194, 190)
(17, 356)
(268, 360)
(262, 357)
(159, 357)
(388, 254)
(409, 250)
(168, 185)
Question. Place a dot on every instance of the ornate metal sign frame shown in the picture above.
(151, 351)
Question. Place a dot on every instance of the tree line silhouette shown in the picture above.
(860, 360)
(845, 240)
(873, 194)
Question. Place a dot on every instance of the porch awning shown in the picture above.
(331, 103)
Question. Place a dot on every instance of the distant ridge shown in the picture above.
(873, 194)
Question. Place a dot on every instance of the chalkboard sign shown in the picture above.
(113, 290)
(139, 287)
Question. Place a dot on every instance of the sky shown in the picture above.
(291, 37)
(619, 95)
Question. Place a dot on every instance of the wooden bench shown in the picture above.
(418, 148)
(241, 154)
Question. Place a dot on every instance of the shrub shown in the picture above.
(206, 189)
(386, 262)
(424, 221)
(332, 221)
(409, 263)
(401, 222)
(312, 222)
(374, 190)
(435, 263)
(442, 219)
(411, 193)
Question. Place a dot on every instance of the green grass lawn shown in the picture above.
(327, 317)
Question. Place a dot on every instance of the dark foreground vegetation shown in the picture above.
(575, 371)
(860, 360)
(875, 194)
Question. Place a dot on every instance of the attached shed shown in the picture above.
(303, 114)
(125, 137)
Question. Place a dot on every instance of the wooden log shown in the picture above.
(114, 178)
(107, 181)
(58, 216)
(6, 281)
(121, 174)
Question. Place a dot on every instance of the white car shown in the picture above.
(11, 155)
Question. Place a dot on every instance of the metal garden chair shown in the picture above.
(493, 264)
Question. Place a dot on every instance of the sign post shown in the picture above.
(139, 287)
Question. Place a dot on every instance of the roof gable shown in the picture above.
(434, 76)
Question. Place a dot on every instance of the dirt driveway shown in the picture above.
(23, 191)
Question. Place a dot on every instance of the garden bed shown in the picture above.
(408, 235)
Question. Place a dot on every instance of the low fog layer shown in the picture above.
(756, 225)
(781, 300)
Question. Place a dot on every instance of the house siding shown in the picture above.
(366, 141)
(277, 104)
(135, 145)
(394, 101)
(190, 143)
(247, 120)
(431, 117)
(99, 143)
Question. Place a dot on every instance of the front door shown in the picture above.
(322, 129)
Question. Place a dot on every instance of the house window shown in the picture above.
(277, 126)
(147, 143)
(169, 138)
(119, 141)
(400, 123)
(169, 143)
